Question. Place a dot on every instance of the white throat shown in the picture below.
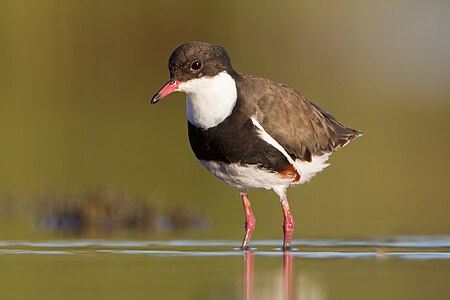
(209, 100)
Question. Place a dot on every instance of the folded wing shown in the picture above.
(302, 128)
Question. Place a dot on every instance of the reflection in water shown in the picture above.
(287, 275)
(276, 276)
(133, 269)
(249, 271)
(283, 285)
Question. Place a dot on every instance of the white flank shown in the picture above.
(248, 176)
(307, 170)
(209, 100)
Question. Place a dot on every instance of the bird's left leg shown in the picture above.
(288, 224)
(250, 221)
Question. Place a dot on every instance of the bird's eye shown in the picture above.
(196, 65)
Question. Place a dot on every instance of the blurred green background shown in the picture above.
(76, 78)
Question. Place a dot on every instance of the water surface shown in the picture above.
(395, 268)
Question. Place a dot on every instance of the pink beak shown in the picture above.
(170, 87)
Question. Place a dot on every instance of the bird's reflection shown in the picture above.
(249, 271)
(287, 275)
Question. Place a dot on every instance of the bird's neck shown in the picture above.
(209, 100)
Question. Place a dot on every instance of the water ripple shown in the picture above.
(19, 251)
(409, 248)
(302, 254)
(393, 242)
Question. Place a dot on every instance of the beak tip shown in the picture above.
(170, 87)
(155, 99)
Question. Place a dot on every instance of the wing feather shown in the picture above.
(298, 125)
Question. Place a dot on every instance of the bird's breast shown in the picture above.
(235, 141)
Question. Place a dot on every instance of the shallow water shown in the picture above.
(395, 268)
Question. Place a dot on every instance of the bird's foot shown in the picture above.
(286, 247)
(244, 248)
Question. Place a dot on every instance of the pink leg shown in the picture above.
(250, 221)
(288, 225)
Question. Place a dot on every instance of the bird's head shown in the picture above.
(189, 63)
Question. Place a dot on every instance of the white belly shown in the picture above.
(250, 176)
(245, 177)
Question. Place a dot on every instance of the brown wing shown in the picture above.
(301, 127)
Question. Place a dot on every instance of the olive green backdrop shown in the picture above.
(76, 78)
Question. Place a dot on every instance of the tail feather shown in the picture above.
(344, 135)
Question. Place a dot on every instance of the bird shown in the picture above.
(251, 132)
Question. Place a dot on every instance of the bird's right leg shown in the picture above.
(250, 221)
